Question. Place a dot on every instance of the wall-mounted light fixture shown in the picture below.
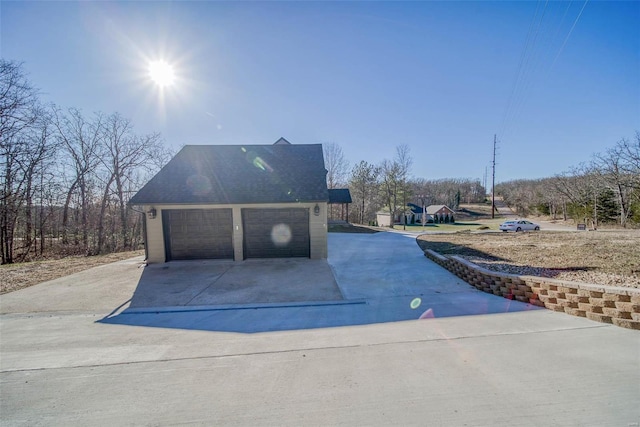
(152, 213)
(316, 210)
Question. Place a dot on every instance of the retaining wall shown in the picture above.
(617, 305)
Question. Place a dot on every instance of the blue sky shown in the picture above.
(557, 81)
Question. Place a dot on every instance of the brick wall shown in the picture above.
(617, 305)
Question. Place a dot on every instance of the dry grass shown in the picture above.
(18, 276)
(474, 211)
(600, 257)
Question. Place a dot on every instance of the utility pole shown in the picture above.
(484, 183)
(493, 180)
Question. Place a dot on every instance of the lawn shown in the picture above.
(470, 217)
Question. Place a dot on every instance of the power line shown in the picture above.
(569, 35)
(520, 69)
(493, 180)
(535, 61)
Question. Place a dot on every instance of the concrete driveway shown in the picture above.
(187, 284)
(361, 268)
(382, 277)
(214, 283)
(70, 355)
(368, 278)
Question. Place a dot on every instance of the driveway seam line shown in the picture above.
(212, 283)
(258, 353)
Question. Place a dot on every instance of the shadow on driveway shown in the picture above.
(294, 316)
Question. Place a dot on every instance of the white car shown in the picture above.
(519, 225)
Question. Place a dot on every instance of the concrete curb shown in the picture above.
(184, 309)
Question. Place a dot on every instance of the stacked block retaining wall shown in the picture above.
(617, 305)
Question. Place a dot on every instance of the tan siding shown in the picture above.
(318, 232)
(237, 234)
(155, 241)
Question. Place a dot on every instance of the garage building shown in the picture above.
(237, 202)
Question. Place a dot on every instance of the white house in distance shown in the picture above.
(435, 213)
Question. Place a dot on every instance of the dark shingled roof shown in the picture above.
(231, 174)
(415, 208)
(339, 195)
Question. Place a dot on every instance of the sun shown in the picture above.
(161, 73)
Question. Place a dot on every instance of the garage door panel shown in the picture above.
(276, 233)
(199, 233)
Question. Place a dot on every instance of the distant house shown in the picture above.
(416, 214)
(435, 213)
(439, 213)
(383, 218)
(237, 202)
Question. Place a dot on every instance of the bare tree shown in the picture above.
(81, 140)
(403, 157)
(63, 174)
(39, 149)
(629, 152)
(18, 112)
(394, 177)
(18, 101)
(521, 195)
(552, 199)
(336, 164)
(449, 191)
(614, 173)
(125, 153)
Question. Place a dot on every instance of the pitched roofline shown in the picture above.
(216, 174)
(282, 141)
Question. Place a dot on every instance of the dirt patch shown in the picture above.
(609, 258)
(23, 275)
(351, 228)
(474, 211)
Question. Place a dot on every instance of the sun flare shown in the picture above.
(161, 73)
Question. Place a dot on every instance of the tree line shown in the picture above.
(66, 176)
(390, 186)
(605, 190)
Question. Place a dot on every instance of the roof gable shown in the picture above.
(230, 174)
(432, 209)
(415, 208)
(282, 141)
